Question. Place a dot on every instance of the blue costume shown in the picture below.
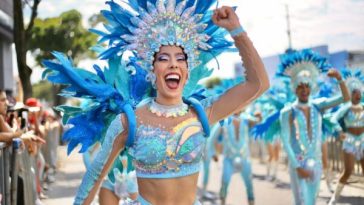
(350, 116)
(236, 155)
(304, 148)
(301, 136)
(346, 118)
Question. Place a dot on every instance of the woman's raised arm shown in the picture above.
(257, 81)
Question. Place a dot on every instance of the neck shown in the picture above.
(355, 103)
(302, 102)
(168, 101)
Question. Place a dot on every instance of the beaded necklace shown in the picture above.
(168, 110)
(302, 136)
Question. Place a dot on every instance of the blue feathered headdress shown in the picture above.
(302, 67)
(354, 79)
(143, 26)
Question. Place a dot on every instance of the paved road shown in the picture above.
(71, 170)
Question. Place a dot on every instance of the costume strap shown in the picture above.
(200, 113)
(130, 115)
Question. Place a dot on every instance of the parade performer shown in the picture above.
(170, 43)
(237, 153)
(349, 121)
(301, 122)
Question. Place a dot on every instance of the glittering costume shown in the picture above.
(164, 141)
(346, 118)
(349, 119)
(302, 137)
(236, 155)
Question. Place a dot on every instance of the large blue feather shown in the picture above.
(260, 130)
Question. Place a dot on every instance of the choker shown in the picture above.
(168, 110)
(357, 106)
(301, 104)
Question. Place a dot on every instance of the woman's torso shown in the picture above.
(354, 121)
(167, 154)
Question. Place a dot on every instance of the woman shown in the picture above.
(352, 129)
(169, 138)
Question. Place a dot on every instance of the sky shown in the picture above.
(336, 23)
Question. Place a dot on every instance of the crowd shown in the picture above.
(38, 129)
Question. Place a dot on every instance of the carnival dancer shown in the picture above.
(171, 42)
(301, 122)
(349, 121)
(237, 153)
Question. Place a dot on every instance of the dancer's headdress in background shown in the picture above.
(302, 67)
(354, 79)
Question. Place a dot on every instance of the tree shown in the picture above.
(212, 82)
(42, 91)
(65, 34)
(21, 39)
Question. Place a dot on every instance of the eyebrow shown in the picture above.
(180, 53)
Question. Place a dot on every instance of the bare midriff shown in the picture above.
(176, 191)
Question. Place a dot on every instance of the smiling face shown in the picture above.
(170, 68)
(303, 91)
(355, 97)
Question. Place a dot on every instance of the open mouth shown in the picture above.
(172, 80)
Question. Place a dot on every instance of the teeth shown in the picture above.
(172, 77)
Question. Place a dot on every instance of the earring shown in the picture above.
(150, 77)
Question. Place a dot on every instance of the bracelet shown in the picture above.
(237, 31)
(341, 81)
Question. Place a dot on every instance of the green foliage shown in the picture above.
(65, 34)
(212, 82)
(96, 19)
(43, 90)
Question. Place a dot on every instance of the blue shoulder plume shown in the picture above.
(107, 93)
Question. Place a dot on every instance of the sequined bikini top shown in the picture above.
(354, 119)
(159, 153)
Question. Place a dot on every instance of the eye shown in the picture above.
(181, 57)
(163, 58)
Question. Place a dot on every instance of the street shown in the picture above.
(71, 169)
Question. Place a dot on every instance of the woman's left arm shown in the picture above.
(257, 81)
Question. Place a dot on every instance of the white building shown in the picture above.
(6, 40)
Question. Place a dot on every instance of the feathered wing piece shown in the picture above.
(275, 99)
(108, 92)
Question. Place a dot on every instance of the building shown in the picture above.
(340, 59)
(6, 40)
